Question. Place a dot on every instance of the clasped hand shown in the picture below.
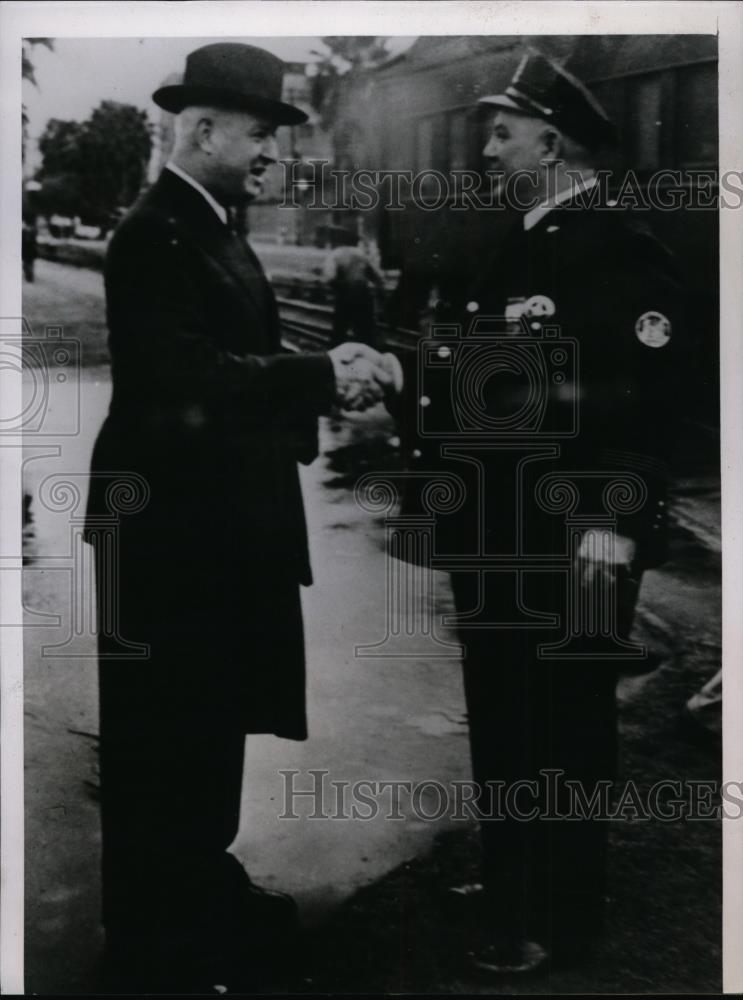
(600, 557)
(363, 376)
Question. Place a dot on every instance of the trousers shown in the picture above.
(172, 742)
(543, 740)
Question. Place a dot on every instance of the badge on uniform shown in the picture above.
(539, 307)
(653, 329)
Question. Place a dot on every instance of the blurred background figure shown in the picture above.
(29, 248)
(354, 277)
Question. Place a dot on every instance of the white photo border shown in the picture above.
(253, 18)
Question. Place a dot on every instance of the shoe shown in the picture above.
(270, 906)
(470, 890)
(521, 958)
(466, 900)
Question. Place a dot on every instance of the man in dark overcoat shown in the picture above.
(200, 626)
(548, 393)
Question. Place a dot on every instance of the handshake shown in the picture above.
(363, 376)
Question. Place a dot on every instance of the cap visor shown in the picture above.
(503, 101)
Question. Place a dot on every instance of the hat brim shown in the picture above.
(176, 97)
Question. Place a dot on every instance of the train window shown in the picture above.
(430, 143)
(644, 120)
(696, 115)
(424, 144)
(459, 141)
(482, 129)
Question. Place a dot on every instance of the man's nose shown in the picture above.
(490, 151)
(270, 149)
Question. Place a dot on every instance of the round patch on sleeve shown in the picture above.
(653, 329)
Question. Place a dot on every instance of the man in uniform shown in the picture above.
(550, 401)
(200, 627)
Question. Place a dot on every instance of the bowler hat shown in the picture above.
(540, 88)
(234, 76)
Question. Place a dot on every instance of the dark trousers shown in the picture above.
(170, 808)
(171, 762)
(544, 878)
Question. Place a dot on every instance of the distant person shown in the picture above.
(354, 277)
(29, 248)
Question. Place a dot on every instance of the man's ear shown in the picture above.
(204, 132)
(552, 144)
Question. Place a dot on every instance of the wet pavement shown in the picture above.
(371, 718)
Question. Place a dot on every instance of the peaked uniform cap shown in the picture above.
(234, 76)
(541, 88)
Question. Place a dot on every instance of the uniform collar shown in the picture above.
(179, 172)
(534, 215)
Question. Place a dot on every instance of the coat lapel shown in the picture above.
(191, 212)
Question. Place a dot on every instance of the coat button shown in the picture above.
(472, 307)
(416, 453)
(424, 401)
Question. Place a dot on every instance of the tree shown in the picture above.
(92, 168)
(115, 148)
(28, 73)
(27, 66)
(59, 146)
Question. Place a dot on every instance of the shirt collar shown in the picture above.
(179, 172)
(534, 215)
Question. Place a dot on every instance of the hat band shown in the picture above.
(519, 95)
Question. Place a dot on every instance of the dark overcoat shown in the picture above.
(208, 419)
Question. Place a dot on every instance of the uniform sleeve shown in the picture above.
(632, 359)
(164, 342)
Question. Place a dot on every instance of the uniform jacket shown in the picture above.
(569, 339)
(212, 415)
